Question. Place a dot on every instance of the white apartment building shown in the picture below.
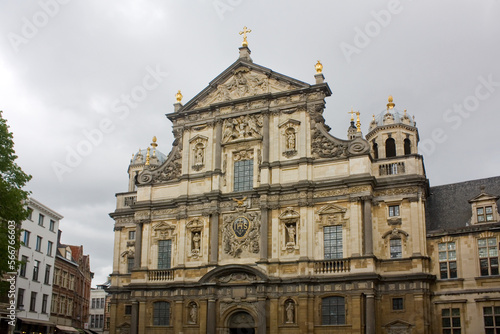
(97, 309)
(35, 274)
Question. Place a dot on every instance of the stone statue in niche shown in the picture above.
(193, 313)
(290, 139)
(199, 154)
(290, 312)
(291, 234)
(196, 242)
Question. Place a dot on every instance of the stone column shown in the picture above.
(262, 316)
(211, 320)
(218, 147)
(370, 314)
(263, 233)
(367, 227)
(265, 137)
(214, 238)
(138, 245)
(134, 319)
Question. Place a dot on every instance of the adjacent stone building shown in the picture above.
(261, 221)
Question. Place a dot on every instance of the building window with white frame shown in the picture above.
(243, 175)
(36, 268)
(396, 248)
(333, 242)
(52, 225)
(45, 299)
(40, 219)
(488, 256)
(26, 238)
(47, 274)
(131, 235)
(50, 244)
(33, 301)
(38, 245)
(447, 260)
(22, 267)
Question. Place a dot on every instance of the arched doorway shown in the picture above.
(241, 323)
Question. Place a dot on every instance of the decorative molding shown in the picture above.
(332, 214)
(241, 233)
(163, 231)
(245, 154)
(242, 128)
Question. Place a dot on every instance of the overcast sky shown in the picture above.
(67, 67)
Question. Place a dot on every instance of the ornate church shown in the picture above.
(260, 221)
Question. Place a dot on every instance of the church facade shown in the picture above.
(260, 221)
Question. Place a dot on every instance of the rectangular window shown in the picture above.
(72, 282)
(47, 274)
(491, 319)
(398, 304)
(128, 309)
(333, 311)
(36, 268)
(243, 175)
(101, 320)
(102, 303)
(393, 210)
(22, 268)
(333, 242)
(485, 214)
(33, 301)
(30, 214)
(52, 225)
(450, 321)
(92, 321)
(45, 299)
(20, 298)
(396, 250)
(130, 264)
(488, 256)
(40, 219)
(93, 303)
(447, 260)
(161, 314)
(131, 235)
(49, 248)
(38, 243)
(164, 254)
(26, 239)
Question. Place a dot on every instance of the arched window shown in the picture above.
(407, 144)
(333, 311)
(161, 314)
(390, 148)
(375, 150)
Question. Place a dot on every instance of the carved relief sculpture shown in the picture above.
(243, 127)
(241, 233)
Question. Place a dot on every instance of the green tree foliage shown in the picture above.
(12, 195)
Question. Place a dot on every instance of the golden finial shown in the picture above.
(178, 96)
(390, 105)
(147, 158)
(352, 114)
(358, 122)
(319, 67)
(154, 144)
(373, 117)
(244, 33)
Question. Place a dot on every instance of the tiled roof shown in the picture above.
(448, 205)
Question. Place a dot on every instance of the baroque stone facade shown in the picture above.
(261, 221)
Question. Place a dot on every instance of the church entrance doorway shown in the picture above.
(241, 323)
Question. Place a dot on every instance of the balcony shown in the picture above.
(394, 168)
(332, 266)
(405, 165)
(161, 275)
(125, 200)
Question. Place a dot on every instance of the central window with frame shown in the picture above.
(161, 314)
(396, 248)
(333, 242)
(447, 260)
(164, 254)
(394, 211)
(484, 214)
(333, 311)
(243, 175)
(488, 256)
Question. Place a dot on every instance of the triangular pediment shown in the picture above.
(483, 197)
(241, 80)
(331, 209)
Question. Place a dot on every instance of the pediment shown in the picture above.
(242, 80)
(331, 209)
(289, 213)
(484, 197)
(163, 226)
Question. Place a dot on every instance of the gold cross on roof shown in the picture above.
(244, 33)
(352, 112)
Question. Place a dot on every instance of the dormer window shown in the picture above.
(485, 214)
